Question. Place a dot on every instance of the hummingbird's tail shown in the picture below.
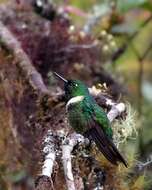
(105, 145)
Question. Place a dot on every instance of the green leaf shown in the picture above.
(147, 90)
(147, 5)
(126, 5)
(124, 29)
(16, 176)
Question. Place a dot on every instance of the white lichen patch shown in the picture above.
(125, 128)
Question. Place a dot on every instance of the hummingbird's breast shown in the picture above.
(74, 101)
(77, 118)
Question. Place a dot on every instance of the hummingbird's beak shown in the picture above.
(63, 79)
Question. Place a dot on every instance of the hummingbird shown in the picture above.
(89, 119)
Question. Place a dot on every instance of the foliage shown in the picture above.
(126, 5)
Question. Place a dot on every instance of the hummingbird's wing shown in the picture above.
(97, 134)
(105, 145)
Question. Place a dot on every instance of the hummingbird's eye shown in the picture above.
(76, 85)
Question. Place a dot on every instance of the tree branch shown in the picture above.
(67, 148)
(49, 154)
(123, 48)
(22, 60)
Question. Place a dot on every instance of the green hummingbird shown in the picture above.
(89, 119)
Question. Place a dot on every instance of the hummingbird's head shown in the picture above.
(73, 88)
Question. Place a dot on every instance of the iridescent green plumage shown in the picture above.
(88, 118)
(86, 110)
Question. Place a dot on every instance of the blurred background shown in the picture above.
(129, 43)
(129, 24)
(124, 28)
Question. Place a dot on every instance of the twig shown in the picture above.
(49, 152)
(71, 48)
(140, 80)
(95, 17)
(123, 48)
(44, 180)
(146, 52)
(116, 108)
(141, 26)
(140, 166)
(22, 60)
(115, 111)
(74, 10)
(140, 59)
(144, 55)
(143, 165)
(100, 179)
(67, 148)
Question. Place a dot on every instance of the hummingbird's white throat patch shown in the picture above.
(74, 100)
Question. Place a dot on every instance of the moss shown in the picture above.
(126, 127)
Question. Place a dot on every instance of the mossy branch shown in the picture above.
(22, 60)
